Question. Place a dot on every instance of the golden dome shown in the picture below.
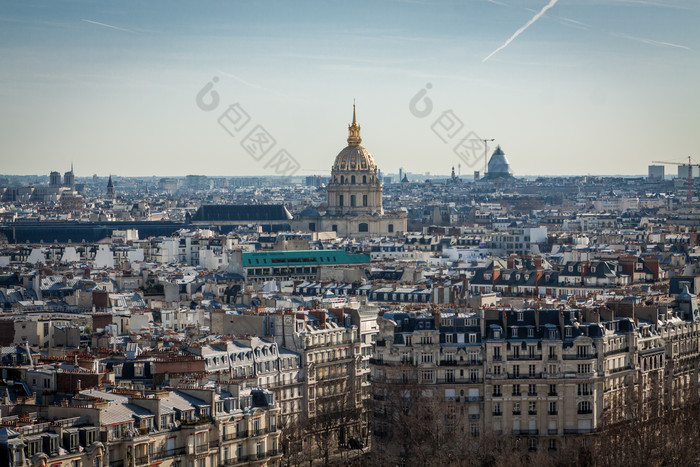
(354, 157)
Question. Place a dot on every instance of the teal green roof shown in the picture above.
(302, 258)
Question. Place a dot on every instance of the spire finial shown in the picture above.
(354, 129)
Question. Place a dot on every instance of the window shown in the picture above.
(449, 376)
(497, 353)
(582, 351)
(532, 408)
(340, 200)
(516, 408)
(514, 331)
(531, 351)
(568, 331)
(552, 444)
(497, 409)
(552, 389)
(516, 389)
(448, 338)
(497, 369)
(552, 408)
(584, 390)
(426, 375)
(530, 332)
(531, 371)
(474, 376)
(497, 390)
(364, 179)
(521, 316)
(585, 407)
(516, 371)
(364, 200)
(516, 352)
(531, 389)
(391, 228)
(426, 357)
(352, 180)
(532, 444)
(363, 227)
(352, 201)
(472, 338)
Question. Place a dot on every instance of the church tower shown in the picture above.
(355, 187)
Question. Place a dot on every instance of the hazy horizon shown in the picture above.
(599, 87)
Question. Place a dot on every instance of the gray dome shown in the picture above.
(499, 165)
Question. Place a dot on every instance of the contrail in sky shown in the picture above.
(519, 31)
(106, 25)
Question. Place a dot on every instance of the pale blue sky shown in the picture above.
(593, 86)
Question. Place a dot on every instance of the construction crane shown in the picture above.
(690, 165)
(486, 150)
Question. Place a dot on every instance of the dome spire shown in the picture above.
(354, 129)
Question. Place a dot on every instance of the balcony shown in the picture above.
(237, 435)
(497, 358)
(516, 412)
(532, 412)
(473, 416)
(552, 431)
(585, 411)
(553, 412)
(578, 431)
(552, 394)
(497, 414)
(579, 357)
(168, 453)
(142, 460)
(497, 394)
(534, 432)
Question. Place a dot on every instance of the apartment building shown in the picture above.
(542, 375)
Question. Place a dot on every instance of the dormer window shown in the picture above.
(514, 332)
(568, 331)
(521, 316)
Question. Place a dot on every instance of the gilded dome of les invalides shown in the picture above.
(354, 157)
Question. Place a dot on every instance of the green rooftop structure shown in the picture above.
(296, 263)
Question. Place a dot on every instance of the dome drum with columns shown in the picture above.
(355, 194)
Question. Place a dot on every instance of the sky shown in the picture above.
(226, 88)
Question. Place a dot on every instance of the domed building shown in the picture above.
(355, 195)
(499, 167)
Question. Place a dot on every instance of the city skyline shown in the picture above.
(565, 87)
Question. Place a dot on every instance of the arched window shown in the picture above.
(363, 227)
(352, 179)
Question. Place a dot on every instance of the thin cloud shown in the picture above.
(106, 25)
(653, 42)
(519, 31)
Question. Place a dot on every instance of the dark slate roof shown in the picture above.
(241, 213)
